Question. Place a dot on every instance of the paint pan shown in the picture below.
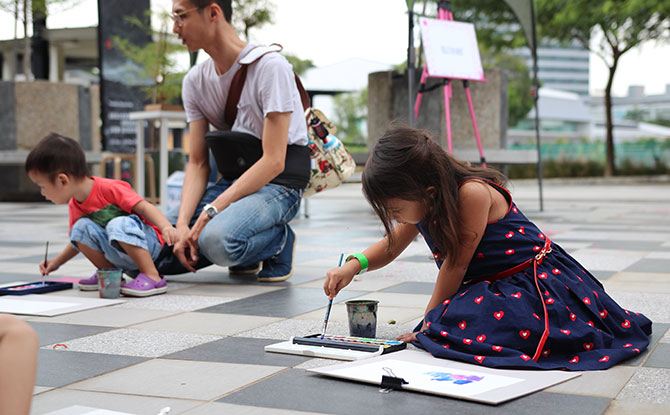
(35, 288)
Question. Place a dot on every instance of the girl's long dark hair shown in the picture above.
(404, 164)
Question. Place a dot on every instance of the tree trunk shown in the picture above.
(610, 167)
(26, 42)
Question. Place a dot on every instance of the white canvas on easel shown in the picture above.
(451, 49)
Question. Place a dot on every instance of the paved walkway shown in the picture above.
(199, 348)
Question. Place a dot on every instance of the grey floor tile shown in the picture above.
(650, 265)
(659, 357)
(648, 385)
(602, 275)
(50, 333)
(289, 302)
(238, 350)
(412, 288)
(58, 368)
(628, 245)
(286, 390)
(226, 408)
(657, 332)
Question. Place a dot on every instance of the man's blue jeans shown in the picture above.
(248, 231)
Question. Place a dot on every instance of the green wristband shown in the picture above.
(362, 259)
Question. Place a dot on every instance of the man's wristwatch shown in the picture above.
(210, 210)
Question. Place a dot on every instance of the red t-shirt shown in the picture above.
(108, 199)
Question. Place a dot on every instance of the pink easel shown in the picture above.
(444, 13)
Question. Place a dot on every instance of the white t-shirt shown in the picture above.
(270, 87)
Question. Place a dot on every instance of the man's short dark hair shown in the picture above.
(226, 6)
(56, 154)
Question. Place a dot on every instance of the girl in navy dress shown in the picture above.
(505, 295)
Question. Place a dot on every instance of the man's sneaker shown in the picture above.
(280, 267)
(144, 286)
(89, 284)
(243, 269)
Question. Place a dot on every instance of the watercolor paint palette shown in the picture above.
(351, 343)
(35, 288)
(336, 347)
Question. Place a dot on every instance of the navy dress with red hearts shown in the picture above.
(552, 314)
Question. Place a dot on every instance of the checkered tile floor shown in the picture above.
(199, 348)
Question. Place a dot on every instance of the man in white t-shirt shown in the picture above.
(239, 223)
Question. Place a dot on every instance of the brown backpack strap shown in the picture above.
(236, 85)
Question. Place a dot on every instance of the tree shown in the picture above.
(350, 112)
(300, 66)
(25, 11)
(249, 14)
(156, 60)
(620, 25)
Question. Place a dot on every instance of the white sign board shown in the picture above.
(451, 49)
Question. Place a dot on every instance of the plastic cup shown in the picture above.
(109, 282)
(362, 318)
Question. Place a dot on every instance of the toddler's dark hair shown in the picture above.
(407, 161)
(56, 154)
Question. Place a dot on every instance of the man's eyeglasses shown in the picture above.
(179, 17)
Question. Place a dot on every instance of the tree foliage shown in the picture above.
(251, 14)
(156, 61)
(300, 66)
(350, 114)
(617, 26)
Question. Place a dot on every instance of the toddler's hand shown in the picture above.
(170, 235)
(51, 265)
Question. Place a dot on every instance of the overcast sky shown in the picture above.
(375, 30)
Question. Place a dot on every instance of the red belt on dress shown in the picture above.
(534, 261)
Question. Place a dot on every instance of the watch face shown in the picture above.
(211, 211)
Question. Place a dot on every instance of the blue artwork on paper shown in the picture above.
(455, 378)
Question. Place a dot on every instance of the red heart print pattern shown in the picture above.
(480, 358)
(481, 338)
(478, 300)
(549, 301)
(555, 271)
(499, 314)
(516, 295)
(603, 313)
(480, 255)
(590, 323)
(536, 316)
(540, 235)
(536, 248)
(524, 333)
(509, 252)
(636, 350)
(573, 316)
(446, 302)
(509, 234)
(462, 325)
(542, 276)
(625, 324)
(588, 346)
(515, 210)
(604, 359)
(497, 348)
(587, 301)
(596, 294)
(446, 346)
(522, 230)
(525, 357)
(565, 331)
(428, 324)
(443, 333)
(467, 341)
(546, 352)
(627, 345)
(574, 359)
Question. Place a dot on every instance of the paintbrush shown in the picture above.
(46, 253)
(330, 304)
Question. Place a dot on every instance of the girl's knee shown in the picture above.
(12, 326)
